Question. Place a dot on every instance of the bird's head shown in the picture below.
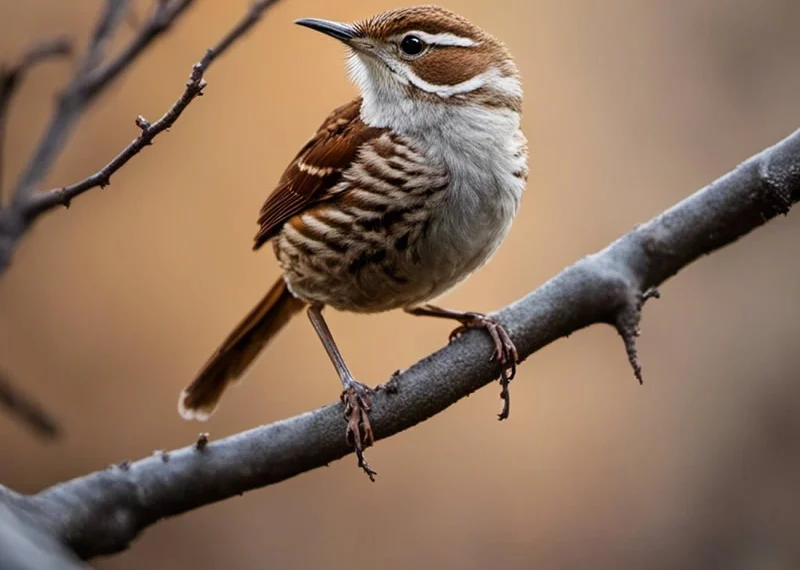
(410, 61)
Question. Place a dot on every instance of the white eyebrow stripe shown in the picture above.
(509, 86)
(444, 39)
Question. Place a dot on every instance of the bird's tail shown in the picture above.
(200, 398)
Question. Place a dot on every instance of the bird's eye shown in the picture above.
(412, 45)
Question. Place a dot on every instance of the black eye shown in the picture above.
(412, 45)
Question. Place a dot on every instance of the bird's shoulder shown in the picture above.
(317, 168)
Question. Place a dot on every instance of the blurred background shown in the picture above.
(111, 307)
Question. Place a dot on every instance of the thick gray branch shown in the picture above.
(102, 512)
(24, 545)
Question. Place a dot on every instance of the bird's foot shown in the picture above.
(504, 352)
(356, 400)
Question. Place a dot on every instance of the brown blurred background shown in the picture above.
(112, 306)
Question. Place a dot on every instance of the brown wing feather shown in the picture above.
(316, 169)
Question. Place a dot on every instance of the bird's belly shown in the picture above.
(385, 267)
(367, 278)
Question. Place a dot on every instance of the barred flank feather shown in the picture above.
(357, 247)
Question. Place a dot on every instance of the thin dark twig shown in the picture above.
(21, 524)
(93, 76)
(40, 203)
(71, 103)
(11, 77)
(42, 51)
(27, 411)
(45, 201)
(165, 13)
(103, 32)
(251, 18)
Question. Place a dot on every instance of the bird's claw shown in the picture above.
(359, 431)
(504, 353)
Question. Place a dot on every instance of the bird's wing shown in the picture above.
(317, 169)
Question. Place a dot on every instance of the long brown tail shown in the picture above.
(200, 398)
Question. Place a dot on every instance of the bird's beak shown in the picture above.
(342, 32)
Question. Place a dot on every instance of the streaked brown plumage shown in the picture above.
(354, 245)
(400, 194)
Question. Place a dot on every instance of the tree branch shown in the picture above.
(25, 546)
(45, 201)
(28, 538)
(12, 76)
(27, 411)
(102, 512)
(165, 13)
(71, 102)
(91, 79)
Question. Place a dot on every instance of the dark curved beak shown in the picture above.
(342, 32)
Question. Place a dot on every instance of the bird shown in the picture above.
(399, 196)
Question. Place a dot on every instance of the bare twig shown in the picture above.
(11, 77)
(90, 79)
(250, 19)
(15, 220)
(597, 289)
(93, 76)
(45, 201)
(40, 203)
(27, 411)
(103, 32)
(26, 539)
(71, 103)
(164, 14)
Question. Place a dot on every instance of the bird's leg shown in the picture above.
(504, 350)
(355, 395)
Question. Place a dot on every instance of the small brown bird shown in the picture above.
(400, 195)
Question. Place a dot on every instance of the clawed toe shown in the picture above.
(356, 399)
(505, 353)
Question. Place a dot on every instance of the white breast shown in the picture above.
(485, 154)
